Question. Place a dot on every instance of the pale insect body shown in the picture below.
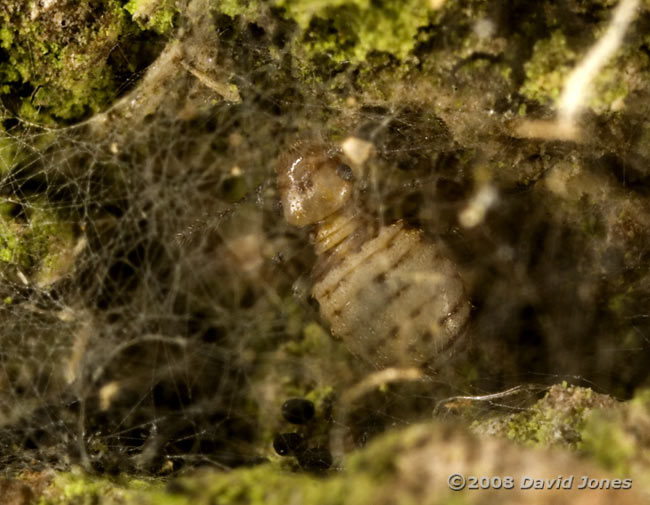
(392, 297)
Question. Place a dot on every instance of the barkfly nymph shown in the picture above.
(391, 296)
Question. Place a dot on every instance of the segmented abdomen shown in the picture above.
(396, 300)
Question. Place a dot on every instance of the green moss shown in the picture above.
(262, 485)
(547, 69)
(238, 7)
(350, 30)
(53, 241)
(619, 439)
(614, 435)
(605, 441)
(13, 238)
(80, 489)
(347, 30)
(40, 245)
(379, 458)
(553, 60)
(8, 152)
(321, 396)
(156, 15)
(403, 467)
(642, 400)
(59, 61)
(315, 340)
(611, 89)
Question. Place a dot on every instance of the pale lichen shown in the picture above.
(554, 421)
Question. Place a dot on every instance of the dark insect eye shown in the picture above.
(316, 459)
(344, 172)
(288, 443)
(298, 410)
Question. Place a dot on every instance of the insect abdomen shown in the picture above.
(394, 300)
